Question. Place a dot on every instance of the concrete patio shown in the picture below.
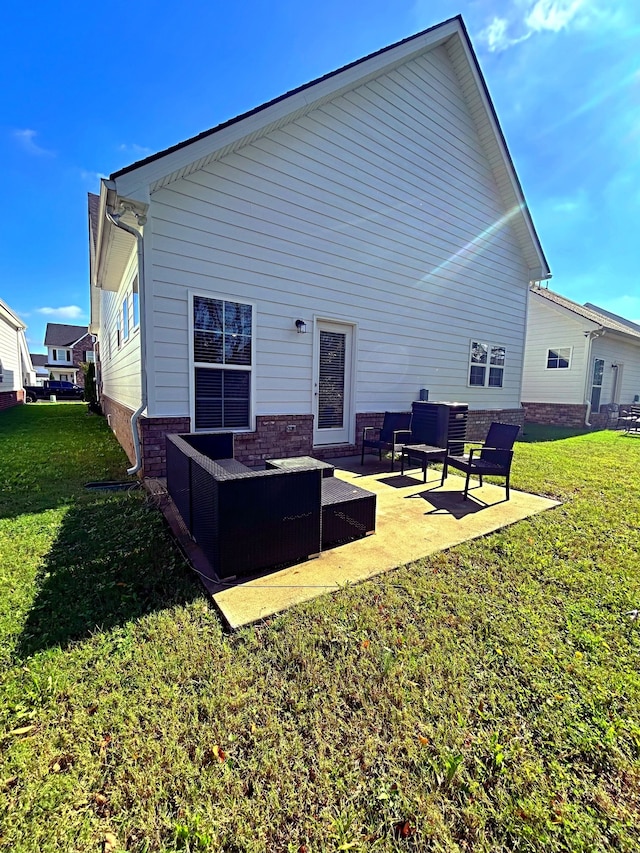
(414, 520)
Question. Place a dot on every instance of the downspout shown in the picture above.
(114, 218)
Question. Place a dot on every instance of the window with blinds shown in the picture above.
(331, 384)
(222, 336)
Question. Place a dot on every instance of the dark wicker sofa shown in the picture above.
(244, 520)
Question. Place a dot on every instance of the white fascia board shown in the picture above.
(80, 338)
(11, 317)
(136, 183)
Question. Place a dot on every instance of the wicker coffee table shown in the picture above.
(425, 453)
(294, 462)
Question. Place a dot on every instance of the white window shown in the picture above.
(222, 336)
(89, 356)
(125, 318)
(559, 358)
(486, 365)
(61, 355)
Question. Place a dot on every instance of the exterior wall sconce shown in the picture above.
(301, 326)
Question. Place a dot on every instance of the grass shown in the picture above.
(484, 699)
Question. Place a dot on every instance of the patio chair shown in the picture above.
(629, 419)
(391, 436)
(494, 458)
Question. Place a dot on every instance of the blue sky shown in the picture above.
(87, 89)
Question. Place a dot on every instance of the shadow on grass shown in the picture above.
(113, 561)
(534, 433)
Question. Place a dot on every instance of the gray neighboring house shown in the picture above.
(67, 348)
(580, 361)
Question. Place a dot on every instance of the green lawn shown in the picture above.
(484, 699)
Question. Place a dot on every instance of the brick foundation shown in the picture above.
(480, 420)
(556, 414)
(9, 399)
(119, 419)
(272, 438)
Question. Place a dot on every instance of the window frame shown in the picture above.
(487, 366)
(193, 364)
(125, 318)
(135, 303)
(558, 350)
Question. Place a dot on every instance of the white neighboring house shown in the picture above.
(376, 210)
(579, 360)
(16, 369)
(39, 361)
(67, 347)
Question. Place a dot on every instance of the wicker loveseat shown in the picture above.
(244, 520)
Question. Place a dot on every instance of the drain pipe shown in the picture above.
(114, 218)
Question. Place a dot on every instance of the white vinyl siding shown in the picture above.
(378, 208)
(614, 349)
(547, 328)
(120, 365)
(9, 357)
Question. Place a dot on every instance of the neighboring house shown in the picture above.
(579, 360)
(298, 270)
(16, 369)
(68, 347)
(39, 361)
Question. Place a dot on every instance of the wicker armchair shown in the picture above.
(391, 436)
(494, 459)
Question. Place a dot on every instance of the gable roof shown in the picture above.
(604, 319)
(62, 335)
(38, 359)
(243, 116)
(136, 181)
(10, 315)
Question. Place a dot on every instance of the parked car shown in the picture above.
(61, 390)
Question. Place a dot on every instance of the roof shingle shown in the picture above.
(62, 335)
(590, 312)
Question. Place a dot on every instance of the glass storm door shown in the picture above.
(332, 386)
(596, 385)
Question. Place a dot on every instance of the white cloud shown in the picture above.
(27, 141)
(554, 15)
(534, 16)
(135, 150)
(90, 177)
(497, 37)
(66, 312)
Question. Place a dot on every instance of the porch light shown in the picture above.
(301, 326)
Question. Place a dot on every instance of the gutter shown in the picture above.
(114, 218)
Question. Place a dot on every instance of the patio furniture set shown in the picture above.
(247, 520)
